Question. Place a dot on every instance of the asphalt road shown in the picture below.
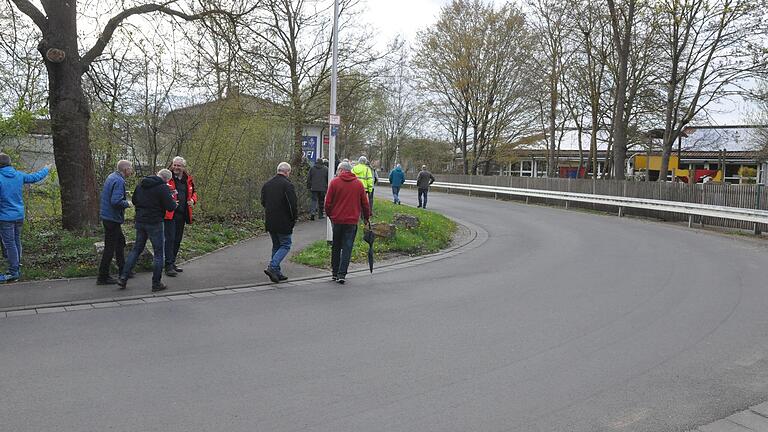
(561, 321)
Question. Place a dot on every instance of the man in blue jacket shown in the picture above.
(114, 201)
(12, 211)
(396, 179)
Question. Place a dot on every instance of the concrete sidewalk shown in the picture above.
(242, 263)
(754, 419)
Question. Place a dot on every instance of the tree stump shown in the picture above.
(384, 230)
(406, 221)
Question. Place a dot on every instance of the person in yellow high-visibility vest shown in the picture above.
(364, 173)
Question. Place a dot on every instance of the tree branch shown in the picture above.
(118, 19)
(28, 9)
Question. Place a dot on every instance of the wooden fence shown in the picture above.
(750, 196)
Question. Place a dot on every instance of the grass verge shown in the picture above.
(434, 232)
(50, 252)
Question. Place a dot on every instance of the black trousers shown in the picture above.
(341, 249)
(174, 231)
(114, 246)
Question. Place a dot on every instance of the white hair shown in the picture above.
(283, 167)
(345, 166)
(181, 160)
(165, 174)
(363, 160)
(123, 164)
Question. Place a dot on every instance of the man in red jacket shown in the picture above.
(344, 201)
(183, 190)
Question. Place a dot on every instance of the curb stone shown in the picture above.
(753, 419)
(476, 236)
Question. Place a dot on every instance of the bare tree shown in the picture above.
(709, 53)
(622, 26)
(68, 105)
(474, 63)
(286, 51)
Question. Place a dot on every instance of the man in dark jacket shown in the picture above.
(396, 180)
(317, 183)
(112, 212)
(345, 202)
(183, 186)
(423, 181)
(12, 212)
(278, 197)
(152, 199)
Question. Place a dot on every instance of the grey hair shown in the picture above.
(165, 174)
(180, 160)
(363, 160)
(345, 166)
(123, 164)
(283, 167)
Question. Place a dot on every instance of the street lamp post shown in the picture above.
(333, 117)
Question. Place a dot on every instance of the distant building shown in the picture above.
(35, 150)
(734, 154)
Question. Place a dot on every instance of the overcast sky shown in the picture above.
(406, 17)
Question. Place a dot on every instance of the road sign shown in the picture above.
(309, 147)
(334, 119)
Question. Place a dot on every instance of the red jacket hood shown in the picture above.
(347, 176)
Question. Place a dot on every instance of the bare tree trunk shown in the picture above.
(70, 115)
(622, 38)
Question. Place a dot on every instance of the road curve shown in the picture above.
(561, 321)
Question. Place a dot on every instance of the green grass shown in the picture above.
(434, 232)
(51, 252)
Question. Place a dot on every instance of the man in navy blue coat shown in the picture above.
(114, 201)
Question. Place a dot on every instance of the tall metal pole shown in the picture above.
(332, 135)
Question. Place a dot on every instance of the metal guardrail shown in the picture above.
(691, 209)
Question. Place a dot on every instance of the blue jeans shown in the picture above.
(153, 232)
(281, 245)
(10, 234)
(341, 251)
(396, 194)
(423, 192)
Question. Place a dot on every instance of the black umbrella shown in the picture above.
(368, 236)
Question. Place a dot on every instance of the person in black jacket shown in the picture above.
(152, 198)
(317, 183)
(278, 197)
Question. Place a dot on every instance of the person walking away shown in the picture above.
(152, 199)
(12, 212)
(183, 187)
(345, 202)
(278, 197)
(112, 207)
(364, 173)
(396, 179)
(423, 181)
(317, 184)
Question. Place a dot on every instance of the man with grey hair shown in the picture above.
(12, 212)
(183, 187)
(345, 202)
(424, 179)
(152, 199)
(114, 201)
(278, 197)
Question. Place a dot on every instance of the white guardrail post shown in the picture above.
(691, 209)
